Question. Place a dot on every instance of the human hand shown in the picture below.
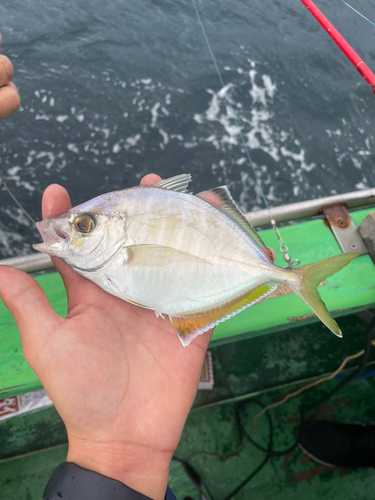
(9, 98)
(119, 377)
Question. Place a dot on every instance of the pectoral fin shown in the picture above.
(157, 255)
(198, 322)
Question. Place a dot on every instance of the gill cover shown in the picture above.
(87, 237)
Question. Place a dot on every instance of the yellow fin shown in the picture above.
(197, 322)
(310, 276)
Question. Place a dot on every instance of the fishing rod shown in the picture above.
(350, 53)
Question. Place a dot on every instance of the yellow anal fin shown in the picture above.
(197, 322)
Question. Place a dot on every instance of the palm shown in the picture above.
(131, 363)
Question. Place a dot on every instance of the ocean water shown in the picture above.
(113, 90)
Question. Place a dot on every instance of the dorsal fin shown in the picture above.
(178, 183)
(231, 210)
(190, 326)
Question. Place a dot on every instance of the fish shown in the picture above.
(193, 258)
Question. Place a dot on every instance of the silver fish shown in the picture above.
(194, 258)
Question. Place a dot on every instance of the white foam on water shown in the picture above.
(21, 183)
(13, 170)
(364, 153)
(224, 90)
(62, 118)
(213, 108)
(16, 214)
(73, 147)
(332, 133)
(299, 158)
(164, 135)
(132, 141)
(356, 162)
(104, 130)
(43, 116)
(257, 93)
(269, 85)
(45, 154)
(241, 160)
(7, 241)
(155, 114)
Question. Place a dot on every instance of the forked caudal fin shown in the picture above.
(310, 276)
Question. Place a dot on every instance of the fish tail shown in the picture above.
(308, 279)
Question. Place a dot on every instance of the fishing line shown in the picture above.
(231, 108)
(16, 201)
(364, 17)
(283, 247)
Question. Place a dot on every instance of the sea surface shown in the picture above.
(116, 89)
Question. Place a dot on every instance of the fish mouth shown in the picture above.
(54, 238)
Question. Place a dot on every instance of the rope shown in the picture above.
(309, 386)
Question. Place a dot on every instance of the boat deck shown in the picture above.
(262, 367)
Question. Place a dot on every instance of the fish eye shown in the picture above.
(84, 223)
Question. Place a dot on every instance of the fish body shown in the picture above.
(194, 258)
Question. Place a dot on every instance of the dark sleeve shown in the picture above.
(72, 482)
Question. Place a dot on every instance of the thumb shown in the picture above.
(29, 306)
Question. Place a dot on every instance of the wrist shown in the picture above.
(139, 467)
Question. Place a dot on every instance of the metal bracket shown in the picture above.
(367, 231)
(344, 230)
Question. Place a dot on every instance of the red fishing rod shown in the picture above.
(350, 53)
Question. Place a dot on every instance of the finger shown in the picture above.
(150, 179)
(9, 100)
(271, 254)
(211, 198)
(56, 201)
(6, 70)
(29, 306)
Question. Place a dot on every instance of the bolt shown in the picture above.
(353, 246)
(341, 223)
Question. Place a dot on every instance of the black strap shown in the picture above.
(69, 481)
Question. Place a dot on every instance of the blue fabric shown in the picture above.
(169, 494)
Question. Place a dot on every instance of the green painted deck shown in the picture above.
(265, 367)
(352, 289)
